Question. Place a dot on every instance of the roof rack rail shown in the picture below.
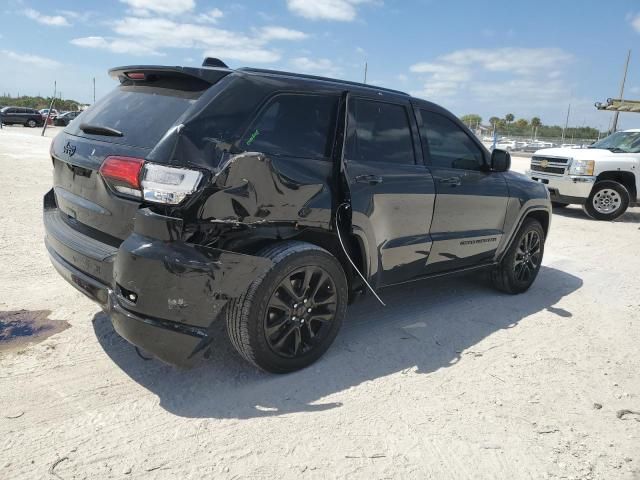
(317, 77)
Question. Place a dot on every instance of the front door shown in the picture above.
(392, 192)
(471, 201)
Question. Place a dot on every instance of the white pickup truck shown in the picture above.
(604, 178)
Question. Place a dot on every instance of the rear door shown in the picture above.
(392, 192)
(471, 202)
(142, 112)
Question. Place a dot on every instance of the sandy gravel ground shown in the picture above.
(451, 381)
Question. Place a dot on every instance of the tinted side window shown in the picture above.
(379, 132)
(449, 145)
(294, 125)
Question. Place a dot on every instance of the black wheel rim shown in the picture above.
(300, 312)
(528, 256)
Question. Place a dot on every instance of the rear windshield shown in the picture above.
(142, 113)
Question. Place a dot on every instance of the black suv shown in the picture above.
(269, 200)
(29, 117)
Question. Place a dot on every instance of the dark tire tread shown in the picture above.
(238, 309)
(501, 276)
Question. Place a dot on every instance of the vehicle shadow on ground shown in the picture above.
(426, 326)
(630, 216)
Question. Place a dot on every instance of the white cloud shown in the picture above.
(281, 33)
(143, 36)
(115, 45)
(499, 73)
(518, 60)
(322, 66)
(212, 16)
(168, 7)
(29, 59)
(635, 22)
(51, 20)
(339, 10)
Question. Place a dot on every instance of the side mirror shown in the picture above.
(500, 160)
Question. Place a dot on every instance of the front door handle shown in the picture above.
(452, 181)
(370, 179)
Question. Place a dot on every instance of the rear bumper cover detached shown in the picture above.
(162, 294)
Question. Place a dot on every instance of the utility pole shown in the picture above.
(614, 127)
(53, 99)
(566, 123)
(365, 71)
(94, 88)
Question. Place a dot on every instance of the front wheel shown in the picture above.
(31, 123)
(608, 200)
(289, 316)
(521, 263)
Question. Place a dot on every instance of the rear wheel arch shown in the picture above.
(328, 241)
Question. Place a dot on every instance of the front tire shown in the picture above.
(290, 315)
(607, 201)
(521, 263)
(31, 123)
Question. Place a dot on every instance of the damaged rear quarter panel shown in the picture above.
(254, 188)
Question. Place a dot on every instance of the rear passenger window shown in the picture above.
(379, 132)
(294, 125)
(449, 146)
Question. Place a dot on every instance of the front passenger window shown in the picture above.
(448, 145)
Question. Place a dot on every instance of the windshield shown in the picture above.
(622, 142)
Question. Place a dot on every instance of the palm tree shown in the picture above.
(508, 118)
(494, 123)
(535, 123)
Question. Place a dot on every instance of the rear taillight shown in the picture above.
(123, 174)
(155, 183)
(171, 185)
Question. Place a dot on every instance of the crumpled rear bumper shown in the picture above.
(161, 293)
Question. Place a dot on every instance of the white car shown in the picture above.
(510, 145)
(604, 177)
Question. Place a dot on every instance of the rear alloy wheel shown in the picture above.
(289, 316)
(31, 123)
(608, 200)
(521, 263)
(300, 311)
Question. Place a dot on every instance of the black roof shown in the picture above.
(304, 76)
(213, 74)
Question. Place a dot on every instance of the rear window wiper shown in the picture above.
(99, 130)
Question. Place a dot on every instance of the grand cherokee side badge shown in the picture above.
(69, 149)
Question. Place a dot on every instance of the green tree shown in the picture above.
(508, 118)
(472, 120)
(522, 123)
(535, 124)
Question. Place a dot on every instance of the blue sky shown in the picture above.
(487, 57)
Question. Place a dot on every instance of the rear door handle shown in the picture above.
(452, 181)
(370, 179)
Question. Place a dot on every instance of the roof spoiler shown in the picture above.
(214, 62)
(142, 72)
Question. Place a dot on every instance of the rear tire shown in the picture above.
(521, 263)
(290, 315)
(607, 201)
